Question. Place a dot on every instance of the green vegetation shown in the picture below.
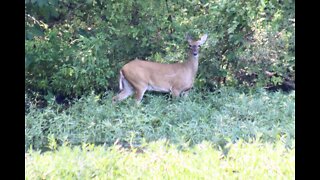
(225, 134)
(76, 46)
(216, 117)
(162, 160)
(230, 125)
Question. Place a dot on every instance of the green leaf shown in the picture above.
(42, 3)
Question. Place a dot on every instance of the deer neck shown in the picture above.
(192, 62)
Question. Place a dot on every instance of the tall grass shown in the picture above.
(219, 117)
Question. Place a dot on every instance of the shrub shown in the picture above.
(74, 47)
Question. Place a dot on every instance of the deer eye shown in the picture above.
(190, 46)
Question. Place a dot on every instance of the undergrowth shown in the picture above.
(219, 117)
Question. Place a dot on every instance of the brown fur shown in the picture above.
(138, 76)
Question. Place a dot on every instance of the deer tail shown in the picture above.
(121, 78)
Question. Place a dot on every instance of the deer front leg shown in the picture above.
(175, 93)
(186, 92)
(139, 94)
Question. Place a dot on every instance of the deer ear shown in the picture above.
(188, 38)
(203, 39)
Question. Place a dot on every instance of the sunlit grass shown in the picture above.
(163, 160)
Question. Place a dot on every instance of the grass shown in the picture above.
(163, 160)
(215, 117)
(222, 135)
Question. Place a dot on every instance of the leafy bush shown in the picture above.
(163, 160)
(217, 117)
(53, 66)
(74, 47)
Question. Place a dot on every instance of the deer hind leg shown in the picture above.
(122, 95)
(125, 88)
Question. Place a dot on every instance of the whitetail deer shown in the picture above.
(138, 76)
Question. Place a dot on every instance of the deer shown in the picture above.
(138, 76)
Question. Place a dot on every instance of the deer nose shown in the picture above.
(195, 54)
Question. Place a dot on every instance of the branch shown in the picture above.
(40, 23)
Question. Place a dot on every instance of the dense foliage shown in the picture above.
(74, 47)
(229, 125)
